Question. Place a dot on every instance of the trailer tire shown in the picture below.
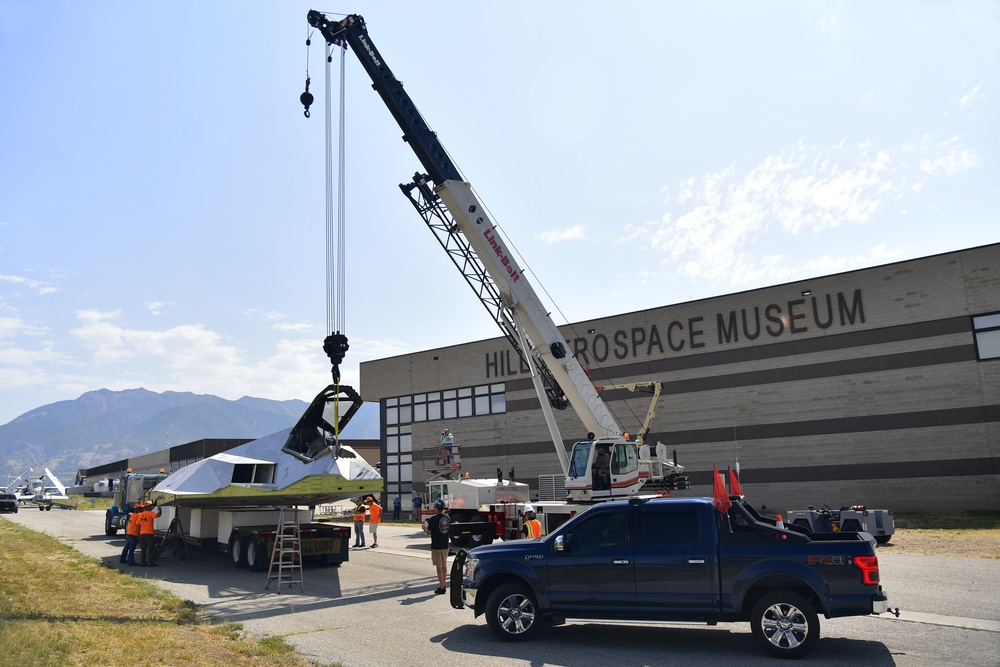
(883, 539)
(254, 554)
(785, 624)
(512, 613)
(237, 551)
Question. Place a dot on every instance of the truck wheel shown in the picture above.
(883, 539)
(237, 551)
(481, 538)
(512, 614)
(459, 541)
(785, 624)
(254, 555)
(109, 526)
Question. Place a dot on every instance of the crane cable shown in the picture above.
(335, 219)
(335, 230)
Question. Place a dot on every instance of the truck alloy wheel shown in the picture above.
(511, 613)
(785, 624)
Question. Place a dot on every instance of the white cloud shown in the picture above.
(156, 307)
(953, 162)
(11, 327)
(555, 236)
(715, 226)
(37, 285)
(971, 95)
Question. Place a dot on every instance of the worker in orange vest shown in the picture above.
(147, 535)
(131, 536)
(374, 518)
(531, 527)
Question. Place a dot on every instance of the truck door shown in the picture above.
(594, 570)
(676, 568)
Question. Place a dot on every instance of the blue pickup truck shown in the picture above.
(673, 559)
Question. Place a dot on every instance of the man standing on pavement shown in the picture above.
(416, 506)
(147, 536)
(397, 504)
(359, 523)
(438, 527)
(374, 519)
(131, 536)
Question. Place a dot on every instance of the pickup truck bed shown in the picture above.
(673, 560)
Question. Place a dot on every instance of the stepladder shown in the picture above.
(286, 556)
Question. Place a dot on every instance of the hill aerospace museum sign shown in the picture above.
(775, 320)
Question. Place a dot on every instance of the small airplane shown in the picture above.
(45, 491)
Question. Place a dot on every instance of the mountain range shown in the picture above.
(103, 426)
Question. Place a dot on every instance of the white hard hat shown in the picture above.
(529, 508)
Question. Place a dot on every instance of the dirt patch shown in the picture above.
(964, 543)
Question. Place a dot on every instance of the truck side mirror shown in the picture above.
(560, 545)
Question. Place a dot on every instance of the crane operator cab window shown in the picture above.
(580, 458)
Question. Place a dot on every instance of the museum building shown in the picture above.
(877, 387)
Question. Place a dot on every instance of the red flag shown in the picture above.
(721, 501)
(734, 484)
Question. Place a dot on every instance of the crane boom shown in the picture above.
(461, 224)
(524, 316)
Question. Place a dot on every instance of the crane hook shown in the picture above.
(306, 99)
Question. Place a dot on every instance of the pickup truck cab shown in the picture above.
(673, 559)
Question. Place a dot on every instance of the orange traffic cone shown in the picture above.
(778, 522)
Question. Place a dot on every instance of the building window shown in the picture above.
(486, 399)
(986, 329)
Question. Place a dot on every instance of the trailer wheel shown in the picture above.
(512, 614)
(883, 539)
(254, 554)
(785, 624)
(237, 551)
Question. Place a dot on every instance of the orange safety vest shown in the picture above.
(534, 527)
(145, 521)
(359, 513)
(133, 523)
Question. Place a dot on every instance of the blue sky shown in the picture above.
(162, 197)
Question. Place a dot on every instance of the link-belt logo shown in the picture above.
(826, 560)
(504, 259)
(371, 51)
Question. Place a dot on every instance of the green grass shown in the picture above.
(59, 608)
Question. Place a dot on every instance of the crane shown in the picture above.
(451, 210)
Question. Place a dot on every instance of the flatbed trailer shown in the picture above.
(248, 534)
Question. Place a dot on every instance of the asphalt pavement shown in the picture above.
(380, 609)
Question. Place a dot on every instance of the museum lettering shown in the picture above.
(773, 321)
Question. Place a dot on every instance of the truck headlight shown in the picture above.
(470, 567)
